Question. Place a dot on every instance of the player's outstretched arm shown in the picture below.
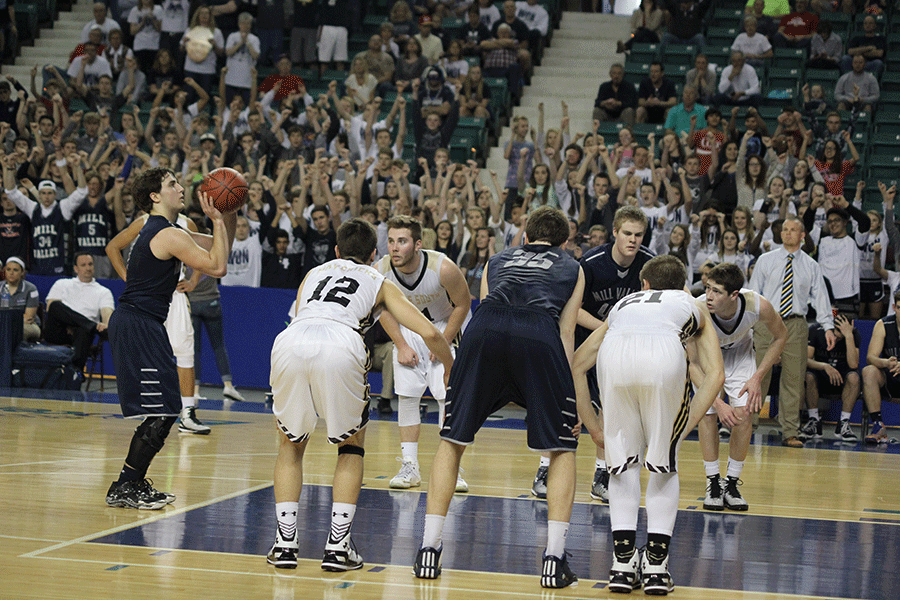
(585, 358)
(116, 245)
(179, 243)
(710, 357)
(775, 325)
(409, 316)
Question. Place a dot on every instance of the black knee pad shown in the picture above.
(154, 430)
(351, 449)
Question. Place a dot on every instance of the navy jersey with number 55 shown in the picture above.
(537, 276)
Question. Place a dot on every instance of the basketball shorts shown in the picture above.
(412, 381)
(739, 368)
(871, 290)
(646, 401)
(333, 44)
(891, 387)
(512, 355)
(319, 370)
(824, 385)
(181, 330)
(145, 367)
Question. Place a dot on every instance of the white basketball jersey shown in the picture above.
(655, 312)
(342, 291)
(736, 334)
(423, 287)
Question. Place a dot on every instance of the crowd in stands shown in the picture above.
(714, 155)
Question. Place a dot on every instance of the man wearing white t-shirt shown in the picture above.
(242, 50)
(755, 46)
(80, 305)
(102, 20)
(245, 259)
(87, 69)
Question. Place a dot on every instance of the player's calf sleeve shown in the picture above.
(625, 489)
(662, 502)
(408, 411)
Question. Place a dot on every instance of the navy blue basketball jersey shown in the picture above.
(151, 281)
(93, 227)
(536, 276)
(48, 241)
(605, 282)
(891, 338)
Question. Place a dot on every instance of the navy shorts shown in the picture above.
(146, 376)
(824, 385)
(871, 290)
(507, 355)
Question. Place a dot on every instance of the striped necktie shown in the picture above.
(787, 288)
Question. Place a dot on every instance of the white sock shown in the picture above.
(845, 416)
(410, 451)
(814, 413)
(735, 467)
(286, 513)
(600, 464)
(188, 402)
(711, 467)
(434, 529)
(556, 538)
(341, 519)
(545, 461)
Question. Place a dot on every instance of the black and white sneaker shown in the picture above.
(539, 487)
(556, 573)
(134, 494)
(656, 578)
(600, 486)
(625, 577)
(845, 432)
(732, 496)
(341, 556)
(428, 563)
(724, 432)
(713, 500)
(811, 430)
(283, 554)
(147, 485)
(190, 423)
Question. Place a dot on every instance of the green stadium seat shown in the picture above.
(789, 58)
(644, 53)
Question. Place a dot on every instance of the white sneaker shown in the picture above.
(461, 486)
(232, 394)
(341, 556)
(407, 477)
(656, 578)
(190, 423)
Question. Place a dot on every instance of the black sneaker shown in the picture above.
(557, 574)
(845, 432)
(133, 494)
(625, 577)
(713, 500)
(283, 554)
(600, 487)
(732, 497)
(147, 485)
(428, 563)
(812, 430)
(539, 487)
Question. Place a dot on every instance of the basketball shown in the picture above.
(226, 188)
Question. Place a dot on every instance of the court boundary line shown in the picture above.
(150, 519)
(289, 574)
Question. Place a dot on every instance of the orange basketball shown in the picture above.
(226, 188)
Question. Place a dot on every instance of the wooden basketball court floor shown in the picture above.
(824, 521)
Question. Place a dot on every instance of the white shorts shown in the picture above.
(739, 368)
(644, 391)
(412, 381)
(181, 330)
(333, 44)
(319, 370)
